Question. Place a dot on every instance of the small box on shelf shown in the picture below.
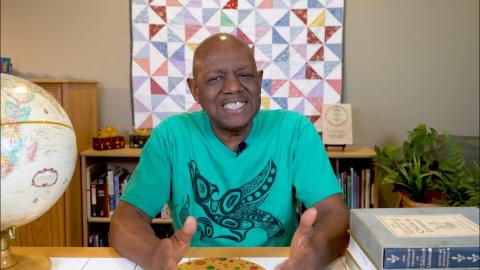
(108, 139)
(138, 141)
(140, 137)
(116, 142)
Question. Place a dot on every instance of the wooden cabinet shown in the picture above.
(62, 224)
(354, 157)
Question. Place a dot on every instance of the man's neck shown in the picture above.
(232, 138)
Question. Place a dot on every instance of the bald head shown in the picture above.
(214, 42)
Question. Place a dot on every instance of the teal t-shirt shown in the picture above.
(249, 199)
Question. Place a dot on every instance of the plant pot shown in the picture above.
(405, 202)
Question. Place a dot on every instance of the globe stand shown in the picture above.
(22, 260)
(7, 257)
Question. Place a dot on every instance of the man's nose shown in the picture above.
(232, 84)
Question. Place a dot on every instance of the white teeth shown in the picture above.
(234, 105)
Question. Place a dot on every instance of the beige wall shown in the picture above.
(406, 61)
(87, 39)
(411, 62)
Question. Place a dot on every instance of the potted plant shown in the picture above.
(429, 170)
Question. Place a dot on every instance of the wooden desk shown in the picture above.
(104, 252)
(107, 252)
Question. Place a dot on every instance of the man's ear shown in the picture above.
(260, 76)
(193, 88)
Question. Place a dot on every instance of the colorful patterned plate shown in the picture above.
(219, 264)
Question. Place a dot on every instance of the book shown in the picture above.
(356, 258)
(165, 213)
(91, 172)
(102, 199)
(368, 185)
(112, 175)
(123, 183)
(406, 238)
(118, 181)
(93, 204)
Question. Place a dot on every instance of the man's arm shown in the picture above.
(320, 237)
(132, 237)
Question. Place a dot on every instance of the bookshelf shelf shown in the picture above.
(353, 151)
(123, 152)
(355, 158)
(107, 220)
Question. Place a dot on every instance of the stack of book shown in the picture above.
(357, 187)
(414, 238)
(105, 184)
(98, 239)
(5, 65)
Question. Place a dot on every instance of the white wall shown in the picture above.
(406, 61)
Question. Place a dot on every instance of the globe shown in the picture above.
(38, 151)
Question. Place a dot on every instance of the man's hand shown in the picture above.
(302, 254)
(320, 237)
(171, 250)
(132, 236)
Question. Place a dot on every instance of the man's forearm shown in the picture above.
(132, 236)
(330, 231)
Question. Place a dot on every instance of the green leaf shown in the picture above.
(427, 161)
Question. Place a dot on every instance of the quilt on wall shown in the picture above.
(298, 45)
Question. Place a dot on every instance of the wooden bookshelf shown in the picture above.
(354, 155)
(125, 157)
(356, 158)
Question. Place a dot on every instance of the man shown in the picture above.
(233, 174)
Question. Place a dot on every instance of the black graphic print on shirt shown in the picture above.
(237, 210)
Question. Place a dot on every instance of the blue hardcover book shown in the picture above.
(417, 238)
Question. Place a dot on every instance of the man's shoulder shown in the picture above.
(182, 120)
(185, 117)
(284, 115)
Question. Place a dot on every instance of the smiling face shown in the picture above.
(226, 83)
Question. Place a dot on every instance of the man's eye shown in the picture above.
(214, 79)
(246, 75)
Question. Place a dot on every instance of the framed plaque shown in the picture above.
(337, 124)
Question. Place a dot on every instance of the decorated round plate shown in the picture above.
(219, 264)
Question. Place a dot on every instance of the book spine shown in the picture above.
(102, 197)
(93, 189)
(100, 202)
(441, 257)
(352, 188)
(88, 195)
(116, 187)
(111, 192)
(367, 189)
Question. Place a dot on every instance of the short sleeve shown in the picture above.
(313, 177)
(149, 186)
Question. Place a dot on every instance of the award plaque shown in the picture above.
(337, 124)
